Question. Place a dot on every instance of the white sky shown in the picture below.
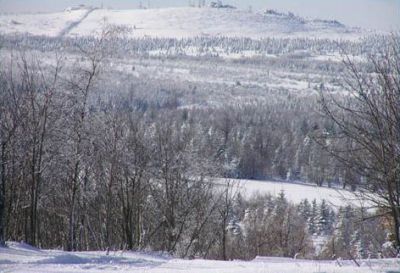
(371, 14)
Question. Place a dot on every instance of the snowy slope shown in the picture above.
(178, 23)
(21, 258)
(296, 192)
(51, 24)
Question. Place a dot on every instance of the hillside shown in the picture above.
(177, 23)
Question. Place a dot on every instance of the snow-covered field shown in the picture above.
(177, 23)
(297, 192)
(22, 258)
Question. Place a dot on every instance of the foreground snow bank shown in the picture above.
(23, 258)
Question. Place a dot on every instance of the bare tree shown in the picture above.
(134, 182)
(9, 122)
(225, 210)
(81, 86)
(368, 117)
(38, 92)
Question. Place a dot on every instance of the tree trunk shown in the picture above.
(109, 207)
(71, 229)
(224, 241)
(32, 218)
(2, 194)
(396, 217)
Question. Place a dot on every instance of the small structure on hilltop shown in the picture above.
(219, 5)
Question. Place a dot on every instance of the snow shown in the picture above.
(297, 192)
(337, 57)
(178, 23)
(21, 258)
(51, 24)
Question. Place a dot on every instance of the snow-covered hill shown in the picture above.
(22, 258)
(51, 24)
(177, 23)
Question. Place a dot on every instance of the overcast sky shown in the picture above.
(372, 14)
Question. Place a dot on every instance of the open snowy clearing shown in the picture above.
(22, 258)
(177, 23)
(297, 192)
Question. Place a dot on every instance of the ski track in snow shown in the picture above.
(74, 24)
(22, 258)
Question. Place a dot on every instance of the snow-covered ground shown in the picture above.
(50, 24)
(297, 192)
(22, 258)
(177, 23)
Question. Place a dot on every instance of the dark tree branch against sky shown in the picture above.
(371, 14)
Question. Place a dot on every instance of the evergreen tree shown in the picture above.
(304, 209)
(323, 219)
(312, 220)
